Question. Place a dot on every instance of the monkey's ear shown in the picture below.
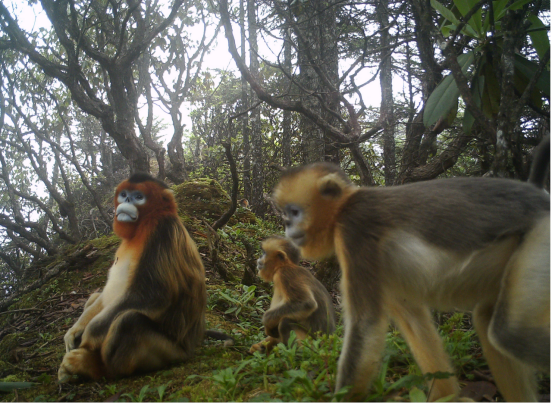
(168, 194)
(330, 186)
(281, 255)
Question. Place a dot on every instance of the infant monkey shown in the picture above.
(300, 302)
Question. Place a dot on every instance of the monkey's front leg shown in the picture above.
(91, 309)
(86, 359)
(363, 344)
(294, 310)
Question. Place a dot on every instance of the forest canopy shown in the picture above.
(94, 90)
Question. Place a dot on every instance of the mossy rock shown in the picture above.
(205, 198)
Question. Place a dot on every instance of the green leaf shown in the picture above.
(417, 395)
(518, 4)
(441, 100)
(445, 12)
(445, 95)
(499, 8)
(446, 30)
(464, 6)
(538, 35)
(9, 386)
(528, 69)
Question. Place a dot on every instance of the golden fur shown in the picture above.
(478, 244)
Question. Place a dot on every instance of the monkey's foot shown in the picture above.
(80, 362)
(259, 347)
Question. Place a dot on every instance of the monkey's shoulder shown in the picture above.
(297, 283)
(294, 273)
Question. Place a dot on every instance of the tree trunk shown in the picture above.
(257, 173)
(286, 119)
(386, 82)
(245, 117)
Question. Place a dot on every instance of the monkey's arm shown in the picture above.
(293, 309)
(91, 309)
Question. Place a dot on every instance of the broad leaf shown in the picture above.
(538, 35)
(477, 93)
(518, 4)
(528, 69)
(445, 12)
(449, 15)
(464, 6)
(445, 95)
(417, 395)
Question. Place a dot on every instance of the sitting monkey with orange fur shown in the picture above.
(151, 311)
(300, 302)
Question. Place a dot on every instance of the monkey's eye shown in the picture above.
(139, 197)
(293, 211)
(123, 194)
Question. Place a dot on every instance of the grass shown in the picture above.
(32, 348)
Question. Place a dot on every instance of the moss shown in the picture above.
(8, 344)
(11, 378)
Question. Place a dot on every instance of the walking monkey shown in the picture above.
(300, 302)
(151, 311)
(480, 244)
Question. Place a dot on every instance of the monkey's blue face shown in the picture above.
(293, 217)
(261, 262)
(127, 210)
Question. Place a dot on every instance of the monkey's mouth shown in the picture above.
(123, 217)
(126, 212)
(298, 238)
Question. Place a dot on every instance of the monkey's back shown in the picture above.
(466, 213)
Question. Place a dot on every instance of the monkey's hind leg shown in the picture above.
(134, 344)
(418, 330)
(515, 380)
(520, 326)
(515, 332)
(285, 328)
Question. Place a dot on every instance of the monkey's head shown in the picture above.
(277, 251)
(141, 200)
(310, 198)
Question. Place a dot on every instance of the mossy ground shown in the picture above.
(33, 348)
(33, 327)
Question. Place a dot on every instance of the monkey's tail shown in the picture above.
(541, 162)
(228, 340)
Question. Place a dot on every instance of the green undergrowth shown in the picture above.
(32, 329)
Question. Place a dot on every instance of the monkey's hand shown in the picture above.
(72, 337)
(272, 332)
(264, 346)
(271, 321)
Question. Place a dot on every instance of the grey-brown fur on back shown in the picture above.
(458, 213)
